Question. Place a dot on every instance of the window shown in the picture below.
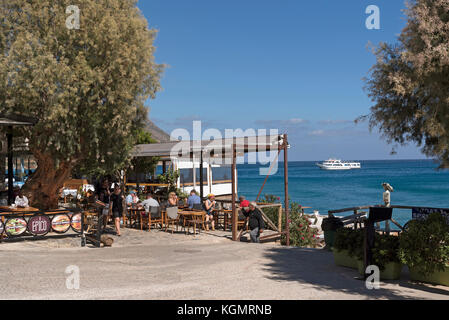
(222, 174)
(186, 176)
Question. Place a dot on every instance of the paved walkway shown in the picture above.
(160, 265)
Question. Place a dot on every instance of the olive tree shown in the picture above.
(85, 86)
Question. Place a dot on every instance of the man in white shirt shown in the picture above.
(149, 202)
(21, 200)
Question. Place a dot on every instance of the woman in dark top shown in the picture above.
(116, 204)
(104, 194)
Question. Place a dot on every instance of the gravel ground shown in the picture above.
(159, 265)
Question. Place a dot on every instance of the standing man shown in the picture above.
(256, 223)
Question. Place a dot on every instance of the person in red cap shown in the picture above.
(243, 202)
(244, 207)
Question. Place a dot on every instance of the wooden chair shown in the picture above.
(172, 217)
(241, 220)
(155, 217)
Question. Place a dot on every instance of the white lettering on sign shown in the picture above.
(39, 226)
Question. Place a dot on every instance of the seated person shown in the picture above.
(149, 202)
(193, 199)
(131, 198)
(209, 204)
(21, 200)
(172, 200)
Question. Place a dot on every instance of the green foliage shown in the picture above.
(385, 250)
(409, 86)
(86, 87)
(301, 233)
(170, 177)
(350, 240)
(424, 245)
(143, 164)
(181, 194)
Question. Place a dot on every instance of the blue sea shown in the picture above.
(415, 182)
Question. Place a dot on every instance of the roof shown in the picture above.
(11, 119)
(215, 148)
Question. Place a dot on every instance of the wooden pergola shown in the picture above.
(228, 150)
(10, 120)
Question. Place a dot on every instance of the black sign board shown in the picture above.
(376, 214)
(379, 214)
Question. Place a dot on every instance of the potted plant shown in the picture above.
(330, 226)
(386, 256)
(348, 247)
(424, 247)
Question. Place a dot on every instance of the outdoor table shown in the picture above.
(15, 210)
(193, 214)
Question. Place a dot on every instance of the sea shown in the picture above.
(415, 182)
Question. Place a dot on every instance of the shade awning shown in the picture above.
(214, 148)
(10, 119)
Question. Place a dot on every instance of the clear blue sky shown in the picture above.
(291, 65)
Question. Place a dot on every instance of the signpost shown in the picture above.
(376, 215)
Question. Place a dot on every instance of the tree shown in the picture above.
(143, 164)
(409, 84)
(86, 87)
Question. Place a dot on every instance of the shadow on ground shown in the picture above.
(316, 268)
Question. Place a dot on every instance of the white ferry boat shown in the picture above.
(334, 164)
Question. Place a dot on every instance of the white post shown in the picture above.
(194, 172)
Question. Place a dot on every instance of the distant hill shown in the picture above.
(157, 133)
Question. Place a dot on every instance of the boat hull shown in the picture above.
(333, 168)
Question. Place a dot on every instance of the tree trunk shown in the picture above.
(42, 188)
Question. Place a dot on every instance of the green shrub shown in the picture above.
(385, 250)
(350, 240)
(301, 232)
(424, 245)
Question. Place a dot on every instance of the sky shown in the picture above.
(292, 65)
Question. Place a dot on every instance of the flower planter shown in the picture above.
(343, 259)
(392, 270)
(438, 277)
